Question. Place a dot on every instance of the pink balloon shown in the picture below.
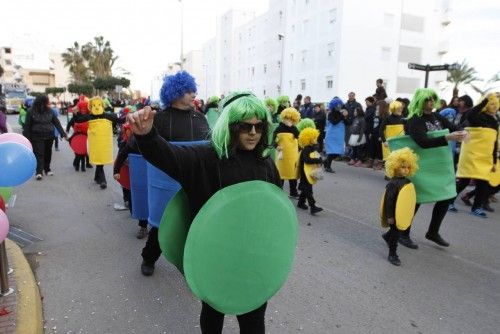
(15, 138)
(4, 226)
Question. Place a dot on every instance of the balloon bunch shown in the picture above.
(17, 165)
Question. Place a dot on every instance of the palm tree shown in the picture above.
(77, 63)
(488, 86)
(463, 75)
(100, 57)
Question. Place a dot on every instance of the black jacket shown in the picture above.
(199, 170)
(40, 125)
(319, 120)
(418, 126)
(392, 190)
(181, 125)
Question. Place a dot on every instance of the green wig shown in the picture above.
(283, 100)
(213, 99)
(235, 108)
(416, 107)
(306, 123)
(270, 102)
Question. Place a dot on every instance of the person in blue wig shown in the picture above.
(337, 121)
(177, 121)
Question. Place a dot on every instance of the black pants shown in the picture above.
(212, 321)
(321, 140)
(392, 239)
(306, 193)
(99, 177)
(374, 148)
(127, 197)
(481, 192)
(42, 148)
(56, 143)
(438, 213)
(79, 162)
(293, 186)
(358, 152)
(152, 251)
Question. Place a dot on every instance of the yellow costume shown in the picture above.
(405, 207)
(100, 135)
(287, 165)
(391, 131)
(476, 160)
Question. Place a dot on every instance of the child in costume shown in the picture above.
(286, 141)
(272, 107)
(237, 153)
(392, 125)
(78, 141)
(399, 165)
(309, 164)
(283, 103)
(357, 138)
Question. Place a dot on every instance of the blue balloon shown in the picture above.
(17, 164)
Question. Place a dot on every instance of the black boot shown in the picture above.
(82, 165)
(407, 242)
(394, 259)
(147, 269)
(302, 205)
(315, 209)
(435, 237)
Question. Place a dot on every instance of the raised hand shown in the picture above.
(142, 120)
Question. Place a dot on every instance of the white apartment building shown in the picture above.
(326, 48)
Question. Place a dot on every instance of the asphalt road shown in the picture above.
(88, 265)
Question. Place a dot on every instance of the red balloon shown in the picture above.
(2, 204)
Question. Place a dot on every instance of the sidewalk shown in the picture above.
(20, 311)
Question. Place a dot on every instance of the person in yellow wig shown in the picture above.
(286, 141)
(392, 125)
(399, 165)
(475, 162)
(309, 164)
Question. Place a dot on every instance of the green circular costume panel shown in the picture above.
(240, 248)
(174, 228)
(435, 179)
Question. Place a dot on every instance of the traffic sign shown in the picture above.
(413, 66)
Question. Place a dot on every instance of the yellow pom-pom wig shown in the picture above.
(397, 158)
(308, 136)
(395, 105)
(290, 114)
(492, 100)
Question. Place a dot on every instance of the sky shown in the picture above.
(146, 34)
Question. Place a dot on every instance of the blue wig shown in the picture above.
(175, 86)
(335, 104)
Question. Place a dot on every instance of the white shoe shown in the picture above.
(38, 177)
(49, 173)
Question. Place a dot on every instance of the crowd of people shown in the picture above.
(277, 140)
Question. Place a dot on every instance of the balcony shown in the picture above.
(443, 47)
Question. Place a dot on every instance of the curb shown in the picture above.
(29, 303)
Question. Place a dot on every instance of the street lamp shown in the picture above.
(281, 37)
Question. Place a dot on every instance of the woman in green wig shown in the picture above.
(421, 121)
(238, 152)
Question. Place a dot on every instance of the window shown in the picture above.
(8, 50)
(409, 54)
(291, 57)
(253, 70)
(303, 84)
(412, 23)
(265, 68)
(8, 62)
(329, 82)
(281, 14)
(264, 92)
(332, 15)
(293, 27)
(307, 1)
(331, 48)
(279, 64)
(304, 56)
(290, 84)
(385, 54)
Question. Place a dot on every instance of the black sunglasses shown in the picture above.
(247, 127)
